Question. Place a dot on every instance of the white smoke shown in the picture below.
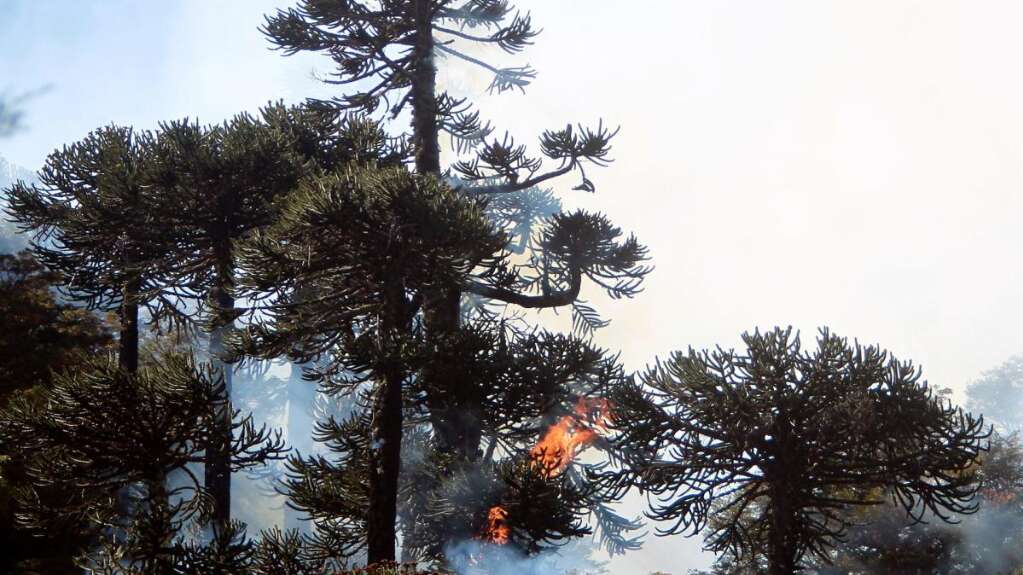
(474, 557)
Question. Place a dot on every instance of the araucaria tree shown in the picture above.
(89, 223)
(386, 55)
(102, 435)
(804, 435)
(367, 243)
(209, 186)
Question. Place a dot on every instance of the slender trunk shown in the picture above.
(385, 464)
(128, 345)
(454, 410)
(218, 452)
(425, 128)
(301, 395)
(783, 474)
(386, 435)
(155, 551)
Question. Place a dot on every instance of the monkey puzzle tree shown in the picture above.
(367, 242)
(42, 335)
(386, 55)
(209, 187)
(100, 432)
(89, 223)
(790, 430)
(884, 540)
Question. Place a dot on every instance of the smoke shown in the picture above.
(474, 557)
(990, 539)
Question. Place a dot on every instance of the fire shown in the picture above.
(497, 526)
(554, 452)
(570, 435)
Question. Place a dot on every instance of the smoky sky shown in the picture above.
(851, 164)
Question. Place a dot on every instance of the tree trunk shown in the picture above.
(385, 464)
(454, 416)
(386, 435)
(301, 398)
(155, 548)
(128, 344)
(425, 129)
(456, 424)
(781, 546)
(218, 452)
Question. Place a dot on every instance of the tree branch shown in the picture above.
(547, 300)
(510, 187)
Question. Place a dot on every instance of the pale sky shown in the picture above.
(807, 163)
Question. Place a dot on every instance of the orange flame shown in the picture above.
(497, 526)
(570, 435)
(554, 452)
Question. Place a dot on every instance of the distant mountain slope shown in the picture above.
(10, 239)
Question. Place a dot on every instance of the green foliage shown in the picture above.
(41, 335)
(386, 55)
(348, 234)
(884, 540)
(87, 217)
(109, 440)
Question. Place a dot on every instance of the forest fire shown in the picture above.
(554, 452)
(497, 526)
(570, 435)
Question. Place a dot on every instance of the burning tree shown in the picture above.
(367, 242)
(802, 436)
(387, 54)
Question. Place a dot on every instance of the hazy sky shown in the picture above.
(851, 164)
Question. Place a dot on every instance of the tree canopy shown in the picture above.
(805, 435)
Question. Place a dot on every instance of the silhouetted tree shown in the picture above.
(788, 430)
(883, 540)
(101, 430)
(41, 334)
(367, 242)
(393, 48)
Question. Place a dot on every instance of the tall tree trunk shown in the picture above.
(782, 474)
(386, 434)
(425, 128)
(301, 397)
(128, 344)
(218, 452)
(456, 423)
(455, 414)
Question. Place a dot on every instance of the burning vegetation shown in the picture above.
(555, 452)
(570, 435)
